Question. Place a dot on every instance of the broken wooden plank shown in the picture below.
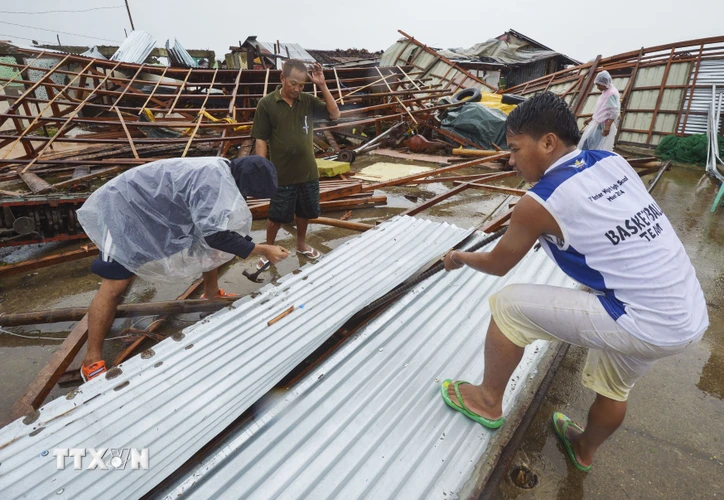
(35, 395)
(50, 260)
(498, 222)
(499, 189)
(356, 226)
(155, 325)
(36, 184)
(92, 175)
(122, 311)
(474, 152)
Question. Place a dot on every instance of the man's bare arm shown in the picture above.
(529, 220)
(261, 147)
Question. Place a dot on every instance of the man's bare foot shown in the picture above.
(473, 400)
(572, 434)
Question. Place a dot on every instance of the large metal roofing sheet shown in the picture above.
(369, 421)
(136, 48)
(177, 400)
(401, 53)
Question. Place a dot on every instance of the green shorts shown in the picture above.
(301, 200)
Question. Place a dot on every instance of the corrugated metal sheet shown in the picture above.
(429, 65)
(287, 50)
(94, 53)
(369, 421)
(196, 384)
(711, 73)
(178, 56)
(136, 48)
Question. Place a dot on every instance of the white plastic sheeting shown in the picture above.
(369, 422)
(177, 400)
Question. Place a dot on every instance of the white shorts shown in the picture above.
(616, 359)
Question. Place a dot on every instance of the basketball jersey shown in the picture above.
(618, 242)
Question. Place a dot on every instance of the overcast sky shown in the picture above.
(578, 29)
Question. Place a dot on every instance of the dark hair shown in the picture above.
(545, 113)
(291, 64)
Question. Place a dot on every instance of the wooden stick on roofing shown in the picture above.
(280, 316)
(398, 99)
(339, 87)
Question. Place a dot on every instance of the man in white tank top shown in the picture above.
(593, 216)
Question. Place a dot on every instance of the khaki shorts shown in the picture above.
(616, 359)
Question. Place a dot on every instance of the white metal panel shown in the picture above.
(710, 73)
(136, 48)
(369, 422)
(194, 386)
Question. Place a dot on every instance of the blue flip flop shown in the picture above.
(485, 422)
(561, 432)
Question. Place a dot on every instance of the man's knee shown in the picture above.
(503, 304)
(114, 289)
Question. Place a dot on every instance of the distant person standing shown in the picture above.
(601, 127)
(284, 127)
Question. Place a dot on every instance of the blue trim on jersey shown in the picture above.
(573, 263)
(561, 173)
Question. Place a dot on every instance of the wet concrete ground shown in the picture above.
(671, 444)
(72, 285)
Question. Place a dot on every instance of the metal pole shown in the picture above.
(129, 16)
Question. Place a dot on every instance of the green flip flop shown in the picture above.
(485, 422)
(561, 432)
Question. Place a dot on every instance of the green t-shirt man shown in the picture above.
(289, 131)
(284, 128)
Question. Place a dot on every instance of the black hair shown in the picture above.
(542, 114)
(291, 64)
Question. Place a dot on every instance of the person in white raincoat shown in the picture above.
(166, 221)
(600, 131)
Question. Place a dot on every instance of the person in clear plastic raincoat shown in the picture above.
(167, 221)
(600, 131)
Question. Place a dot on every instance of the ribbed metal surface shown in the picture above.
(178, 56)
(369, 422)
(178, 400)
(136, 48)
(287, 51)
(711, 73)
(401, 53)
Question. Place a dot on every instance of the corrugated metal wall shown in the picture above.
(710, 73)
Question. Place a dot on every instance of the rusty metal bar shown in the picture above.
(27, 129)
(660, 97)
(70, 119)
(178, 94)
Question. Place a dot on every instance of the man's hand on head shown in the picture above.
(316, 75)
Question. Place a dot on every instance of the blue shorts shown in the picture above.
(110, 269)
(301, 200)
